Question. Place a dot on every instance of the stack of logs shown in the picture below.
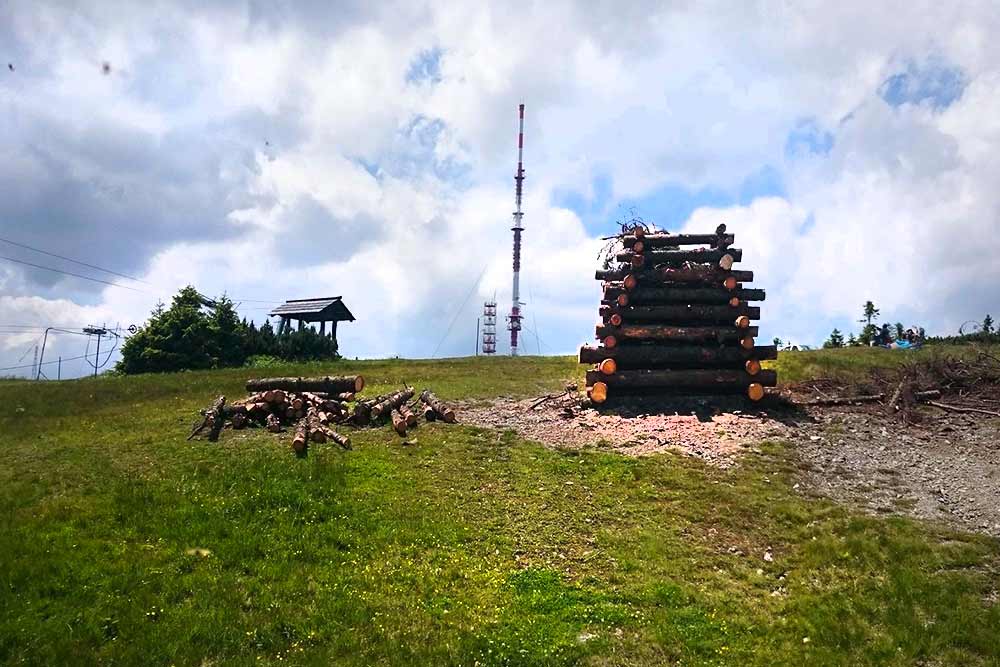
(677, 320)
(312, 406)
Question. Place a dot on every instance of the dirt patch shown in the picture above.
(713, 432)
(945, 467)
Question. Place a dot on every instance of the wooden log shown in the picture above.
(755, 391)
(598, 392)
(341, 440)
(665, 332)
(663, 240)
(408, 416)
(300, 441)
(752, 366)
(686, 356)
(279, 396)
(656, 258)
(608, 366)
(679, 313)
(344, 396)
(213, 418)
(440, 407)
(743, 322)
(385, 407)
(334, 384)
(724, 378)
(726, 261)
(428, 411)
(643, 296)
(691, 273)
(363, 409)
(273, 424)
(398, 423)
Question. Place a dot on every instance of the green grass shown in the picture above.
(854, 363)
(471, 546)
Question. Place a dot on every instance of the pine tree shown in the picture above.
(835, 340)
(900, 331)
(776, 341)
(870, 313)
(852, 341)
(988, 325)
(227, 334)
(867, 335)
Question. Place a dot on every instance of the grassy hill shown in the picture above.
(122, 543)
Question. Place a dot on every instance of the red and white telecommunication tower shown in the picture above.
(514, 319)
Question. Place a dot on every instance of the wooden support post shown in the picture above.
(322, 328)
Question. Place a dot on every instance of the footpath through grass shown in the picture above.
(122, 543)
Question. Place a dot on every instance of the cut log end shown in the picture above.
(598, 392)
(726, 262)
(747, 343)
(630, 282)
(616, 320)
(610, 342)
(639, 232)
(359, 384)
(752, 366)
(729, 283)
(608, 367)
(622, 300)
(638, 261)
(734, 302)
(638, 247)
(755, 391)
(742, 322)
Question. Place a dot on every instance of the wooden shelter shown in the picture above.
(327, 309)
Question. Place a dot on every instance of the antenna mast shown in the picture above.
(514, 319)
(490, 327)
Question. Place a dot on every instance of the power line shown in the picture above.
(459, 311)
(14, 368)
(75, 275)
(89, 266)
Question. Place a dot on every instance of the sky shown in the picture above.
(287, 150)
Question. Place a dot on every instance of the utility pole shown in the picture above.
(477, 336)
(98, 331)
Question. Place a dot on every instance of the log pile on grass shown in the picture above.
(318, 410)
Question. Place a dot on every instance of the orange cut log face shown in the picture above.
(599, 392)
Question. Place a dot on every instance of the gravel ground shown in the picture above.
(945, 468)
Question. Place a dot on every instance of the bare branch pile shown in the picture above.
(676, 319)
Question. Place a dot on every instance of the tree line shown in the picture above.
(872, 333)
(194, 333)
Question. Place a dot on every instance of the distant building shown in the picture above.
(327, 309)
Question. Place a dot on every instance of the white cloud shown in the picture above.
(340, 175)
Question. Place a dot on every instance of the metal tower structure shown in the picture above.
(514, 319)
(490, 327)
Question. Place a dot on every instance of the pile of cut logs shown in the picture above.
(313, 406)
(677, 320)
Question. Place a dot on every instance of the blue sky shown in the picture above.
(369, 151)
